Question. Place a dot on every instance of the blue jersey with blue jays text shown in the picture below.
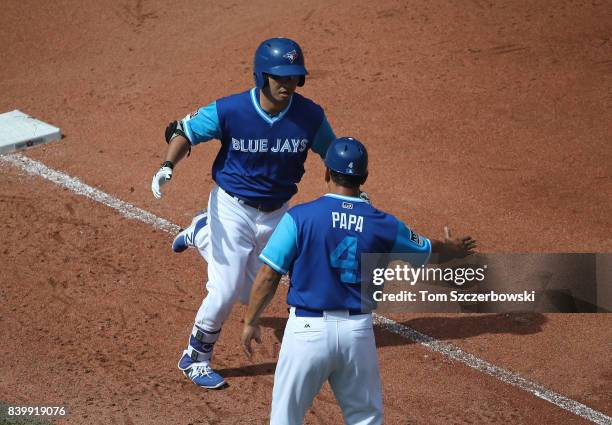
(320, 244)
(261, 157)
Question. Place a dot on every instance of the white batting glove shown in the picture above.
(364, 195)
(163, 175)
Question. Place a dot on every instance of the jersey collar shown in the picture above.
(270, 120)
(344, 198)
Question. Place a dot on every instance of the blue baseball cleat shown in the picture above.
(186, 237)
(200, 374)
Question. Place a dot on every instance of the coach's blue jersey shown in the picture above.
(261, 157)
(320, 244)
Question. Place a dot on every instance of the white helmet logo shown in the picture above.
(292, 56)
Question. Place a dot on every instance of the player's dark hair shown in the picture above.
(344, 180)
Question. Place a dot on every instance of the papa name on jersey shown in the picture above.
(346, 221)
(264, 145)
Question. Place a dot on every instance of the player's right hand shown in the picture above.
(163, 175)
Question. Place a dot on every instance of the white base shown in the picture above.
(20, 131)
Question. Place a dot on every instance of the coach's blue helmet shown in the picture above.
(348, 156)
(278, 56)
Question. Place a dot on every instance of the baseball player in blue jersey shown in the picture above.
(265, 133)
(329, 335)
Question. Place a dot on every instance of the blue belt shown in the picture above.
(257, 205)
(302, 312)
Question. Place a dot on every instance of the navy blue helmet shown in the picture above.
(278, 56)
(347, 156)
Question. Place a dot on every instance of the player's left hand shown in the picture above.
(249, 333)
(163, 175)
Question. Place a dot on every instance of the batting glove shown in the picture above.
(163, 175)
(364, 195)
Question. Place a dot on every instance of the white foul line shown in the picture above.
(504, 375)
(127, 210)
(77, 186)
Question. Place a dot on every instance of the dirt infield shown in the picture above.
(491, 117)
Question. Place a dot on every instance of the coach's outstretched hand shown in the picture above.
(459, 247)
(163, 175)
(451, 248)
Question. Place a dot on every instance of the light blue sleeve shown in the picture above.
(281, 249)
(409, 242)
(325, 135)
(202, 125)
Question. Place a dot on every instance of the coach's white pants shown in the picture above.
(337, 348)
(231, 243)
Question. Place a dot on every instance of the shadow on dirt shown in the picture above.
(250, 370)
(275, 323)
(462, 327)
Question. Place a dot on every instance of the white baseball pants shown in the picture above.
(337, 348)
(231, 243)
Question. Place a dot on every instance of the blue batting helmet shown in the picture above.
(278, 56)
(347, 156)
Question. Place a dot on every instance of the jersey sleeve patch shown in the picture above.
(280, 251)
(203, 124)
(417, 247)
(416, 238)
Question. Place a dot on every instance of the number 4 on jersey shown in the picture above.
(349, 264)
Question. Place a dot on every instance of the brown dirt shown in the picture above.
(491, 117)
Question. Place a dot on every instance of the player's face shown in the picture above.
(281, 88)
